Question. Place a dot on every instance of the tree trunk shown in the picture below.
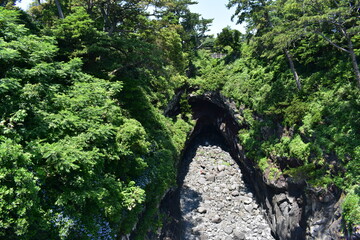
(350, 51)
(90, 6)
(61, 14)
(354, 62)
(107, 24)
(105, 18)
(293, 70)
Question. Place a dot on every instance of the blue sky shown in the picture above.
(24, 4)
(215, 9)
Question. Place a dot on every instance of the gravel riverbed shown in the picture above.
(215, 203)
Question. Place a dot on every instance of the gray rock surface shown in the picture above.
(215, 203)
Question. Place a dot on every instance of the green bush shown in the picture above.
(351, 208)
(298, 149)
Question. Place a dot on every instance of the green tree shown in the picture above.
(284, 33)
(64, 151)
(194, 27)
(116, 15)
(7, 3)
(337, 22)
(262, 18)
(97, 157)
(256, 14)
(228, 37)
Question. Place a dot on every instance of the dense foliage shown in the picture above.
(85, 151)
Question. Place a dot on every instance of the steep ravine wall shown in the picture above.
(292, 210)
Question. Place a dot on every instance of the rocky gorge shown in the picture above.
(221, 194)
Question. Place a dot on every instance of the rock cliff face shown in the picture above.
(291, 209)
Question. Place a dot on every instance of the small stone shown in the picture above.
(202, 210)
(195, 231)
(203, 237)
(232, 187)
(208, 199)
(216, 219)
(233, 179)
(262, 226)
(199, 220)
(228, 230)
(235, 193)
(221, 175)
(223, 185)
(248, 208)
(225, 190)
(202, 181)
(246, 200)
(221, 168)
(210, 178)
(238, 235)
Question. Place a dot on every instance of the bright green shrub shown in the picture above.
(131, 137)
(298, 149)
(263, 164)
(351, 208)
(19, 189)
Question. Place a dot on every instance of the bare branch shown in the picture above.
(332, 43)
(292, 67)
